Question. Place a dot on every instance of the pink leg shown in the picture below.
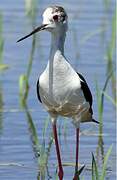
(60, 173)
(77, 151)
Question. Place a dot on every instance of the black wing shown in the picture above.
(38, 95)
(86, 91)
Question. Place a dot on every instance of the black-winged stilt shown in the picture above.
(61, 90)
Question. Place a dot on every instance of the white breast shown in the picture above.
(60, 86)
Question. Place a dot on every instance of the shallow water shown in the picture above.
(17, 159)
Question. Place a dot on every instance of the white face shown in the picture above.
(47, 16)
(55, 18)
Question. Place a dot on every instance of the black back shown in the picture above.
(38, 95)
(86, 91)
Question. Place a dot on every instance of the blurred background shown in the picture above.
(26, 142)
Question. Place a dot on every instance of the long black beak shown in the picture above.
(42, 27)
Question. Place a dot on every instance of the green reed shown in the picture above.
(98, 174)
(41, 151)
(110, 76)
(113, 101)
(107, 22)
(100, 99)
(31, 12)
(2, 66)
(100, 103)
(1, 108)
(24, 78)
(1, 39)
(110, 54)
(107, 4)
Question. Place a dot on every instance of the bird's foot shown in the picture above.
(77, 173)
(60, 174)
(76, 176)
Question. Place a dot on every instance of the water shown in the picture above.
(17, 159)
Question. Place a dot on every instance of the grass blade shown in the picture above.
(3, 67)
(32, 128)
(95, 174)
(23, 89)
(110, 99)
(31, 9)
(105, 163)
(1, 39)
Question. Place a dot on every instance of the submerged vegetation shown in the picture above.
(41, 149)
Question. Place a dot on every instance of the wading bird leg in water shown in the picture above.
(60, 172)
(77, 151)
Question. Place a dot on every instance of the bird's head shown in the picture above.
(54, 21)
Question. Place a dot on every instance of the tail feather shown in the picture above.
(93, 120)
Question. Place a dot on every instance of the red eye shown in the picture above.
(55, 17)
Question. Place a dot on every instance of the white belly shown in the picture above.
(60, 90)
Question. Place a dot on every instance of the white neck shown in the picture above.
(57, 48)
(57, 43)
